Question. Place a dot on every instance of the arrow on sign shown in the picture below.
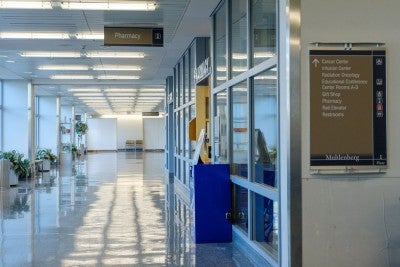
(316, 62)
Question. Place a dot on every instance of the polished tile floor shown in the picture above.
(109, 209)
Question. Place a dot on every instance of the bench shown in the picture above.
(134, 144)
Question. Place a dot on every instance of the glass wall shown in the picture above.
(247, 104)
(265, 137)
(263, 27)
(185, 109)
(239, 36)
(221, 121)
(220, 46)
(240, 125)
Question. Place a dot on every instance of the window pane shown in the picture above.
(176, 86)
(181, 84)
(187, 141)
(192, 68)
(264, 29)
(220, 46)
(241, 208)
(221, 136)
(182, 132)
(266, 223)
(176, 137)
(193, 142)
(265, 127)
(186, 82)
(239, 37)
(240, 138)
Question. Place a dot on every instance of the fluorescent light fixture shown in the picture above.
(109, 5)
(120, 90)
(72, 77)
(221, 68)
(239, 56)
(89, 36)
(265, 77)
(107, 54)
(264, 54)
(50, 54)
(26, 4)
(116, 67)
(121, 98)
(94, 98)
(117, 77)
(241, 69)
(88, 94)
(63, 67)
(33, 35)
(86, 101)
(121, 94)
(84, 90)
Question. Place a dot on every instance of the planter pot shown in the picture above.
(13, 177)
(4, 173)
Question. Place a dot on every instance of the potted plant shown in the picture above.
(19, 166)
(74, 150)
(81, 129)
(47, 156)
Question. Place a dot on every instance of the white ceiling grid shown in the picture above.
(172, 15)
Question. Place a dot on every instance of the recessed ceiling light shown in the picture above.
(89, 36)
(26, 4)
(10, 61)
(50, 54)
(84, 90)
(63, 67)
(72, 77)
(107, 54)
(88, 94)
(33, 35)
(108, 5)
(116, 67)
(117, 77)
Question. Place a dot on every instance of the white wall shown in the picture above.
(130, 127)
(102, 134)
(154, 133)
(352, 220)
(15, 112)
(47, 128)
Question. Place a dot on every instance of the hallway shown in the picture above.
(111, 209)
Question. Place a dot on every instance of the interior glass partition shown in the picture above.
(263, 28)
(220, 46)
(185, 85)
(239, 37)
(246, 118)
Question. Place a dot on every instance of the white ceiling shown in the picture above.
(182, 20)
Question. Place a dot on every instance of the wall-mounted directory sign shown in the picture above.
(132, 36)
(348, 108)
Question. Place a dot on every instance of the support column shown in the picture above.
(58, 122)
(1, 117)
(73, 125)
(31, 122)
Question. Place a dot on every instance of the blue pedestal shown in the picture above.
(210, 201)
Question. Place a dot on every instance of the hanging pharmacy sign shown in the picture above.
(347, 109)
(133, 36)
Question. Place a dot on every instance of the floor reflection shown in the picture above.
(107, 209)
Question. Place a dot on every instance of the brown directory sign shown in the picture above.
(133, 36)
(347, 108)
